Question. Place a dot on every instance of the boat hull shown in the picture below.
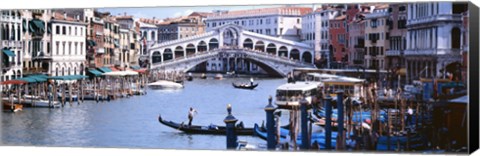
(195, 129)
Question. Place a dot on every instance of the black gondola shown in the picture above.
(212, 129)
(189, 78)
(244, 86)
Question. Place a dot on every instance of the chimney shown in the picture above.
(65, 15)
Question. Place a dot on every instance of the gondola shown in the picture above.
(244, 86)
(211, 129)
(189, 78)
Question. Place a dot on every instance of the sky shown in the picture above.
(166, 12)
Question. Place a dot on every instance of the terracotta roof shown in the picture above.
(381, 6)
(341, 17)
(61, 16)
(203, 14)
(149, 21)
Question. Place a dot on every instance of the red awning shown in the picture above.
(114, 69)
(15, 82)
(142, 70)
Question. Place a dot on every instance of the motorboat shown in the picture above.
(162, 84)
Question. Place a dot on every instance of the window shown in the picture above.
(76, 48)
(81, 31)
(69, 30)
(69, 48)
(76, 31)
(64, 44)
(64, 30)
(402, 8)
(298, 21)
(81, 48)
(58, 47)
(57, 30)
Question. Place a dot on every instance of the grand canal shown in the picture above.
(132, 122)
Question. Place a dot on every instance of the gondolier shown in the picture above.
(191, 113)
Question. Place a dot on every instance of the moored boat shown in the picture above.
(244, 86)
(219, 76)
(162, 84)
(211, 129)
(9, 107)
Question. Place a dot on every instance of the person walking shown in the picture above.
(191, 113)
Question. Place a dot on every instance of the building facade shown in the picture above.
(356, 46)
(338, 40)
(37, 40)
(182, 27)
(67, 55)
(11, 44)
(281, 22)
(434, 39)
(376, 34)
(398, 31)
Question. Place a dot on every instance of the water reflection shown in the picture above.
(133, 122)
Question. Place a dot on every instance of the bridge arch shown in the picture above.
(213, 44)
(167, 54)
(248, 43)
(260, 46)
(283, 51)
(230, 36)
(156, 57)
(307, 57)
(201, 46)
(295, 54)
(272, 49)
(179, 52)
(190, 49)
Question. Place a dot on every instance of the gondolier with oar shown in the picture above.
(191, 113)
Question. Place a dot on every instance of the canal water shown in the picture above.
(133, 122)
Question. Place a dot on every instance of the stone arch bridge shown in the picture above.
(274, 55)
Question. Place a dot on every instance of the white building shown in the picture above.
(67, 56)
(434, 38)
(149, 36)
(315, 31)
(11, 44)
(280, 22)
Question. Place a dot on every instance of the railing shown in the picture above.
(232, 50)
(433, 52)
(440, 17)
(393, 53)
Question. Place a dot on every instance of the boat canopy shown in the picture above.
(105, 69)
(121, 73)
(299, 86)
(95, 72)
(34, 78)
(68, 77)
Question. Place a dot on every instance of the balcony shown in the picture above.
(6, 65)
(27, 71)
(360, 46)
(358, 62)
(435, 18)
(394, 53)
(423, 52)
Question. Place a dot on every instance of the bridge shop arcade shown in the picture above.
(256, 53)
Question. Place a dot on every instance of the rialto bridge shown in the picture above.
(231, 42)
